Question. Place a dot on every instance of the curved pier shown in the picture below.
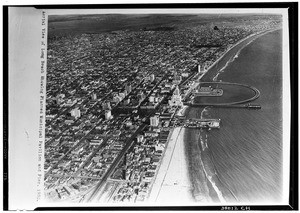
(255, 90)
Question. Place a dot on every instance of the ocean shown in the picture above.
(242, 161)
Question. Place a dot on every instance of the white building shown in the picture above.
(94, 96)
(185, 74)
(106, 105)
(140, 138)
(108, 115)
(76, 113)
(176, 98)
(159, 147)
(151, 99)
(201, 69)
(59, 98)
(122, 95)
(177, 79)
(128, 88)
(154, 121)
(96, 142)
(152, 77)
(117, 99)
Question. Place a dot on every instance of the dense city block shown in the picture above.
(112, 98)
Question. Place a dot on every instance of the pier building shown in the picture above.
(207, 91)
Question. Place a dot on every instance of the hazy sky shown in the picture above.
(153, 11)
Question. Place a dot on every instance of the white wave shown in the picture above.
(203, 111)
(227, 63)
(237, 54)
(202, 144)
(217, 190)
(216, 77)
(231, 60)
(205, 143)
(223, 68)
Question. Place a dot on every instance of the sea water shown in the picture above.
(243, 159)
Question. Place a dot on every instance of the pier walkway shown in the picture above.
(254, 97)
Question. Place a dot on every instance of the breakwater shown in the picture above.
(238, 160)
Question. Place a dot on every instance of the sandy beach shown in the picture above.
(172, 185)
(217, 187)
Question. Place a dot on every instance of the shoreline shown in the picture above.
(258, 34)
(151, 196)
(172, 184)
(159, 180)
(210, 171)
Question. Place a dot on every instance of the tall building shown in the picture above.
(176, 91)
(127, 101)
(201, 68)
(140, 96)
(152, 77)
(140, 138)
(176, 98)
(94, 96)
(117, 99)
(151, 99)
(59, 98)
(177, 79)
(128, 88)
(76, 113)
(122, 95)
(106, 105)
(108, 115)
(154, 121)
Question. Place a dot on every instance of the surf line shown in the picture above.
(253, 36)
(217, 190)
(204, 146)
(232, 59)
(216, 173)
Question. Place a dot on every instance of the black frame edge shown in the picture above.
(293, 35)
(293, 45)
(5, 107)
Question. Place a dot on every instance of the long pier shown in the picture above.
(210, 123)
(229, 104)
(248, 106)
